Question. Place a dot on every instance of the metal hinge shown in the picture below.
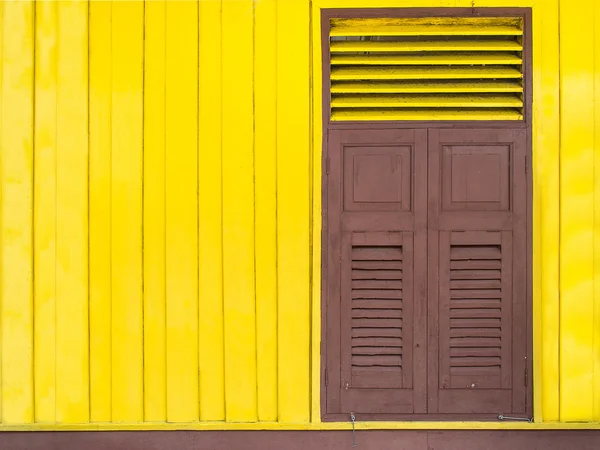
(526, 164)
(327, 378)
(327, 166)
(526, 377)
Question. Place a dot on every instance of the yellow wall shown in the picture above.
(160, 213)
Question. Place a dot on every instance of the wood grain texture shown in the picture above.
(545, 167)
(265, 198)
(100, 211)
(44, 210)
(576, 215)
(293, 210)
(155, 369)
(181, 187)
(239, 298)
(126, 220)
(72, 326)
(210, 210)
(16, 210)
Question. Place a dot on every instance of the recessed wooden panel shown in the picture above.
(476, 178)
(377, 178)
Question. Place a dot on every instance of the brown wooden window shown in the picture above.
(426, 244)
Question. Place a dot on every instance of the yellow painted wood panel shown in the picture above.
(293, 210)
(596, 326)
(316, 224)
(210, 219)
(239, 304)
(44, 212)
(126, 212)
(17, 204)
(181, 211)
(265, 175)
(1, 189)
(155, 388)
(72, 349)
(202, 232)
(577, 212)
(100, 210)
(546, 188)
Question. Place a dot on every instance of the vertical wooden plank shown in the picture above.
(333, 286)
(512, 309)
(577, 212)
(16, 179)
(344, 331)
(126, 229)
(1, 204)
(182, 211)
(293, 210)
(596, 412)
(546, 215)
(434, 255)
(265, 141)
(443, 313)
(238, 212)
(419, 275)
(72, 357)
(155, 400)
(44, 212)
(100, 104)
(409, 318)
(210, 258)
(316, 219)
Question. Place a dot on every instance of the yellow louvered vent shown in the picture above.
(427, 69)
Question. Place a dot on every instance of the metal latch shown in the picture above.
(522, 419)
(353, 419)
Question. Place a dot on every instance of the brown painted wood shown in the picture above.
(466, 283)
(301, 440)
(478, 173)
(376, 222)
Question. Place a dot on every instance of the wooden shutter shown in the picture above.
(478, 261)
(376, 273)
(435, 68)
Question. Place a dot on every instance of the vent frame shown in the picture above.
(523, 13)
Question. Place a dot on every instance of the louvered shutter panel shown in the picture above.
(376, 243)
(478, 272)
(446, 68)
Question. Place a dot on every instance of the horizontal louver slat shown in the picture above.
(457, 59)
(425, 114)
(429, 101)
(432, 87)
(376, 64)
(424, 46)
(420, 73)
(416, 30)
